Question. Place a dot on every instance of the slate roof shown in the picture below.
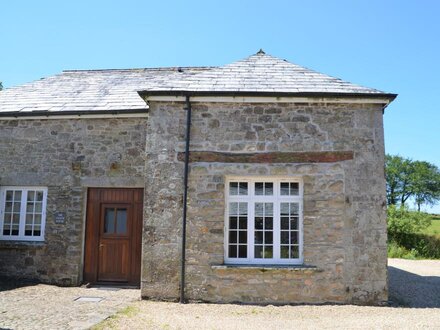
(88, 90)
(262, 73)
(117, 90)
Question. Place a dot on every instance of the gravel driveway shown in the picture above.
(413, 284)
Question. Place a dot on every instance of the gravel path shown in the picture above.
(51, 307)
(415, 283)
(412, 283)
(161, 315)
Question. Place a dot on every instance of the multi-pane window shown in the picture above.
(22, 213)
(264, 221)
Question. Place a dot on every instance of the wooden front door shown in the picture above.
(113, 236)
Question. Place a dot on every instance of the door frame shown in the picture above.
(96, 197)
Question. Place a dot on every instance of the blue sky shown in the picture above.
(390, 45)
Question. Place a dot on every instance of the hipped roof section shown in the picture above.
(262, 75)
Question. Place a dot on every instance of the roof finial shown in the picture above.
(261, 52)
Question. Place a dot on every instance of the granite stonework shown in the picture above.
(67, 156)
(344, 202)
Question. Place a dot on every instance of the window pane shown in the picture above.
(9, 195)
(39, 197)
(242, 223)
(242, 208)
(17, 195)
(233, 188)
(293, 237)
(109, 221)
(294, 252)
(258, 251)
(232, 236)
(242, 251)
(284, 223)
(285, 252)
(284, 209)
(121, 221)
(294, 223)
(29, 219)
(242, 237)
(268, 223)
(285, 189)
(17, 206)
(243, 188)
(233, 222)
(294, 209)
(30, 196)
(269, 188)
(8, 207)
(259, 223)
(294, 189)
(284, 237)
(259, 209)
(268, 252)
(268, 237)
(259, 188)
(38, 207)
(30, 207)
(233, 208)
(37, 219)
(258, 237)
(268, 209)
(232, 251)
(16, 219)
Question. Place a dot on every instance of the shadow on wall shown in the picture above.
(411, 290)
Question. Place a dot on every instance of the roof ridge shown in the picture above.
(164, 68)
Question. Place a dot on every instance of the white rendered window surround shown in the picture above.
(22, 213)
(264, 220)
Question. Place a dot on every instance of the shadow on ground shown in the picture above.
(7, 283)
(411, 290)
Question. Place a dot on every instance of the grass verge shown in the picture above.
(112, 321)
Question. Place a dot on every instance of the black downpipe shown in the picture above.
(185, 197)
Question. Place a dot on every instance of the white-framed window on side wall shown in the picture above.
(264, 220)
(22, 213)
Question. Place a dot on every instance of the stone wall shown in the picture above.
(344, 202)
(67, 156)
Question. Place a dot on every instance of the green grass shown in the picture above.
(434, 228)
(113, 321)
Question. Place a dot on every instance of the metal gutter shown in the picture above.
(185, 198)
(146, 93)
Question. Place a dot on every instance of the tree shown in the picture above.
(411, 179)
(426, 183)
(1, 86)
(398, 176)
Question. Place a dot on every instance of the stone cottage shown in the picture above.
(260, 182)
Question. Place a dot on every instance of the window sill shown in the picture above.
(264, 268)
(21, 245)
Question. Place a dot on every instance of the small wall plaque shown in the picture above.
(60, 217)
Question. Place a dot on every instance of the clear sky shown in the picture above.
(389, 45)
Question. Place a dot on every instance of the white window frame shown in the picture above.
(24, 192)
(276, 199)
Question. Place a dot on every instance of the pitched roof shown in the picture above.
(88, 90)
(117, 90)
(261, 73)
